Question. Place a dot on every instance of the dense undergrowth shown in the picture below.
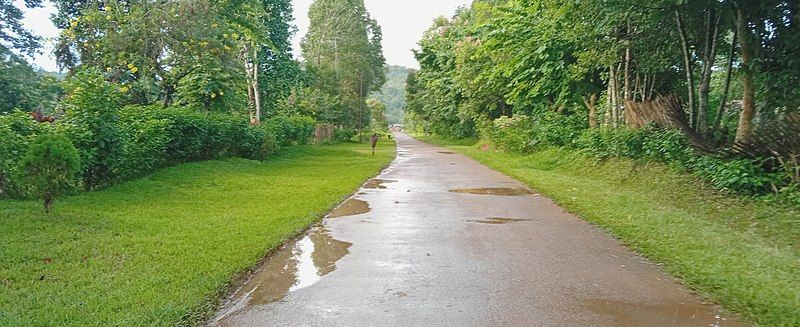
(740, 251)
(748, 176)
(118, 143)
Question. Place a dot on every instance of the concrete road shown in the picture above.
(441, 240)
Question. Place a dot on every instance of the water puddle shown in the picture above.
(644, 315)
(294, 267)
(497, 221)
(505, 191)
(377, 183)
(351, 207)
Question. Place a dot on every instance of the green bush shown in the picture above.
(737, 175)
(343, 135)
(17, 131)
(94, 104)
(49, 167)
(269, 147)
(511, 134)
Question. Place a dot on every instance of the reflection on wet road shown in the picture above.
(294, 267)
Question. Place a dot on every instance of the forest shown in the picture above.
(709, 87)
(146, 87)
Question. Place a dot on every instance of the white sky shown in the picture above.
(403, 23)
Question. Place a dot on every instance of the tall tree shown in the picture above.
(344, 53)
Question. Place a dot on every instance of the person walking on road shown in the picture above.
(374, 141)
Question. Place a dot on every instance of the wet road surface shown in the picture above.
(441, 240)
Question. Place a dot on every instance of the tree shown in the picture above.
(49, 167)
(279, 73)
(14, 36)
(343, 53)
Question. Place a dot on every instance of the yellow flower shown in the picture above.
(214, 25)
(130, 66)
(108, 69)
(227, 48)
(124, 89)
(221, 93)
(74, 23)
(107, 8)
(134, 70)
(213, 95)
(225, 35)
(235, 36)
(108, 17)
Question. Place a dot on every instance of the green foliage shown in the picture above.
(268, 148)
(49, 167)
(343, 53)
(23, 88)
(393, 93)
(17, 131)
(94, 103)
(343, 135)
(743, 176)
(511, 134)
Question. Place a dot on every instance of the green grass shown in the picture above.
(741, 252)
(161, 251)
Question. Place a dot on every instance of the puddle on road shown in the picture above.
(505, 191)
(294, 267)
(377, 183)
(644, 315)
(498, 221)
(351, 207)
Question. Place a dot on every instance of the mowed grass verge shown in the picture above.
(742, 253)
(161, 250)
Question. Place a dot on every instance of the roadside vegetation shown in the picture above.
(161, 250)
(741, 252)
(674, 125)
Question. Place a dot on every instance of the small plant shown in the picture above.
(269, 148)
(49, 167)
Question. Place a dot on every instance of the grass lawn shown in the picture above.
(740, 252)
(161, 250)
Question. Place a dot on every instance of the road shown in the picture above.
(441, 240)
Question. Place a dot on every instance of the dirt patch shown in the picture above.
(377, 183)
(498, 221)
(504, 191)
(351, 207)
(447, 152)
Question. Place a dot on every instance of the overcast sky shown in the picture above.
(402, 21)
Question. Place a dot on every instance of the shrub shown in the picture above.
(737, 175)
(511, 133)
(343, 135)
(268, 148)
(93, 103)
(49, 167)
(17, 130)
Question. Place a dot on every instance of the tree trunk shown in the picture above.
(727, 87)
(627, 74)
(256, 90)
(612, 95)
(745, 129)
(591, 104)
(48, 203)
(709, 55)
(688, 68)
